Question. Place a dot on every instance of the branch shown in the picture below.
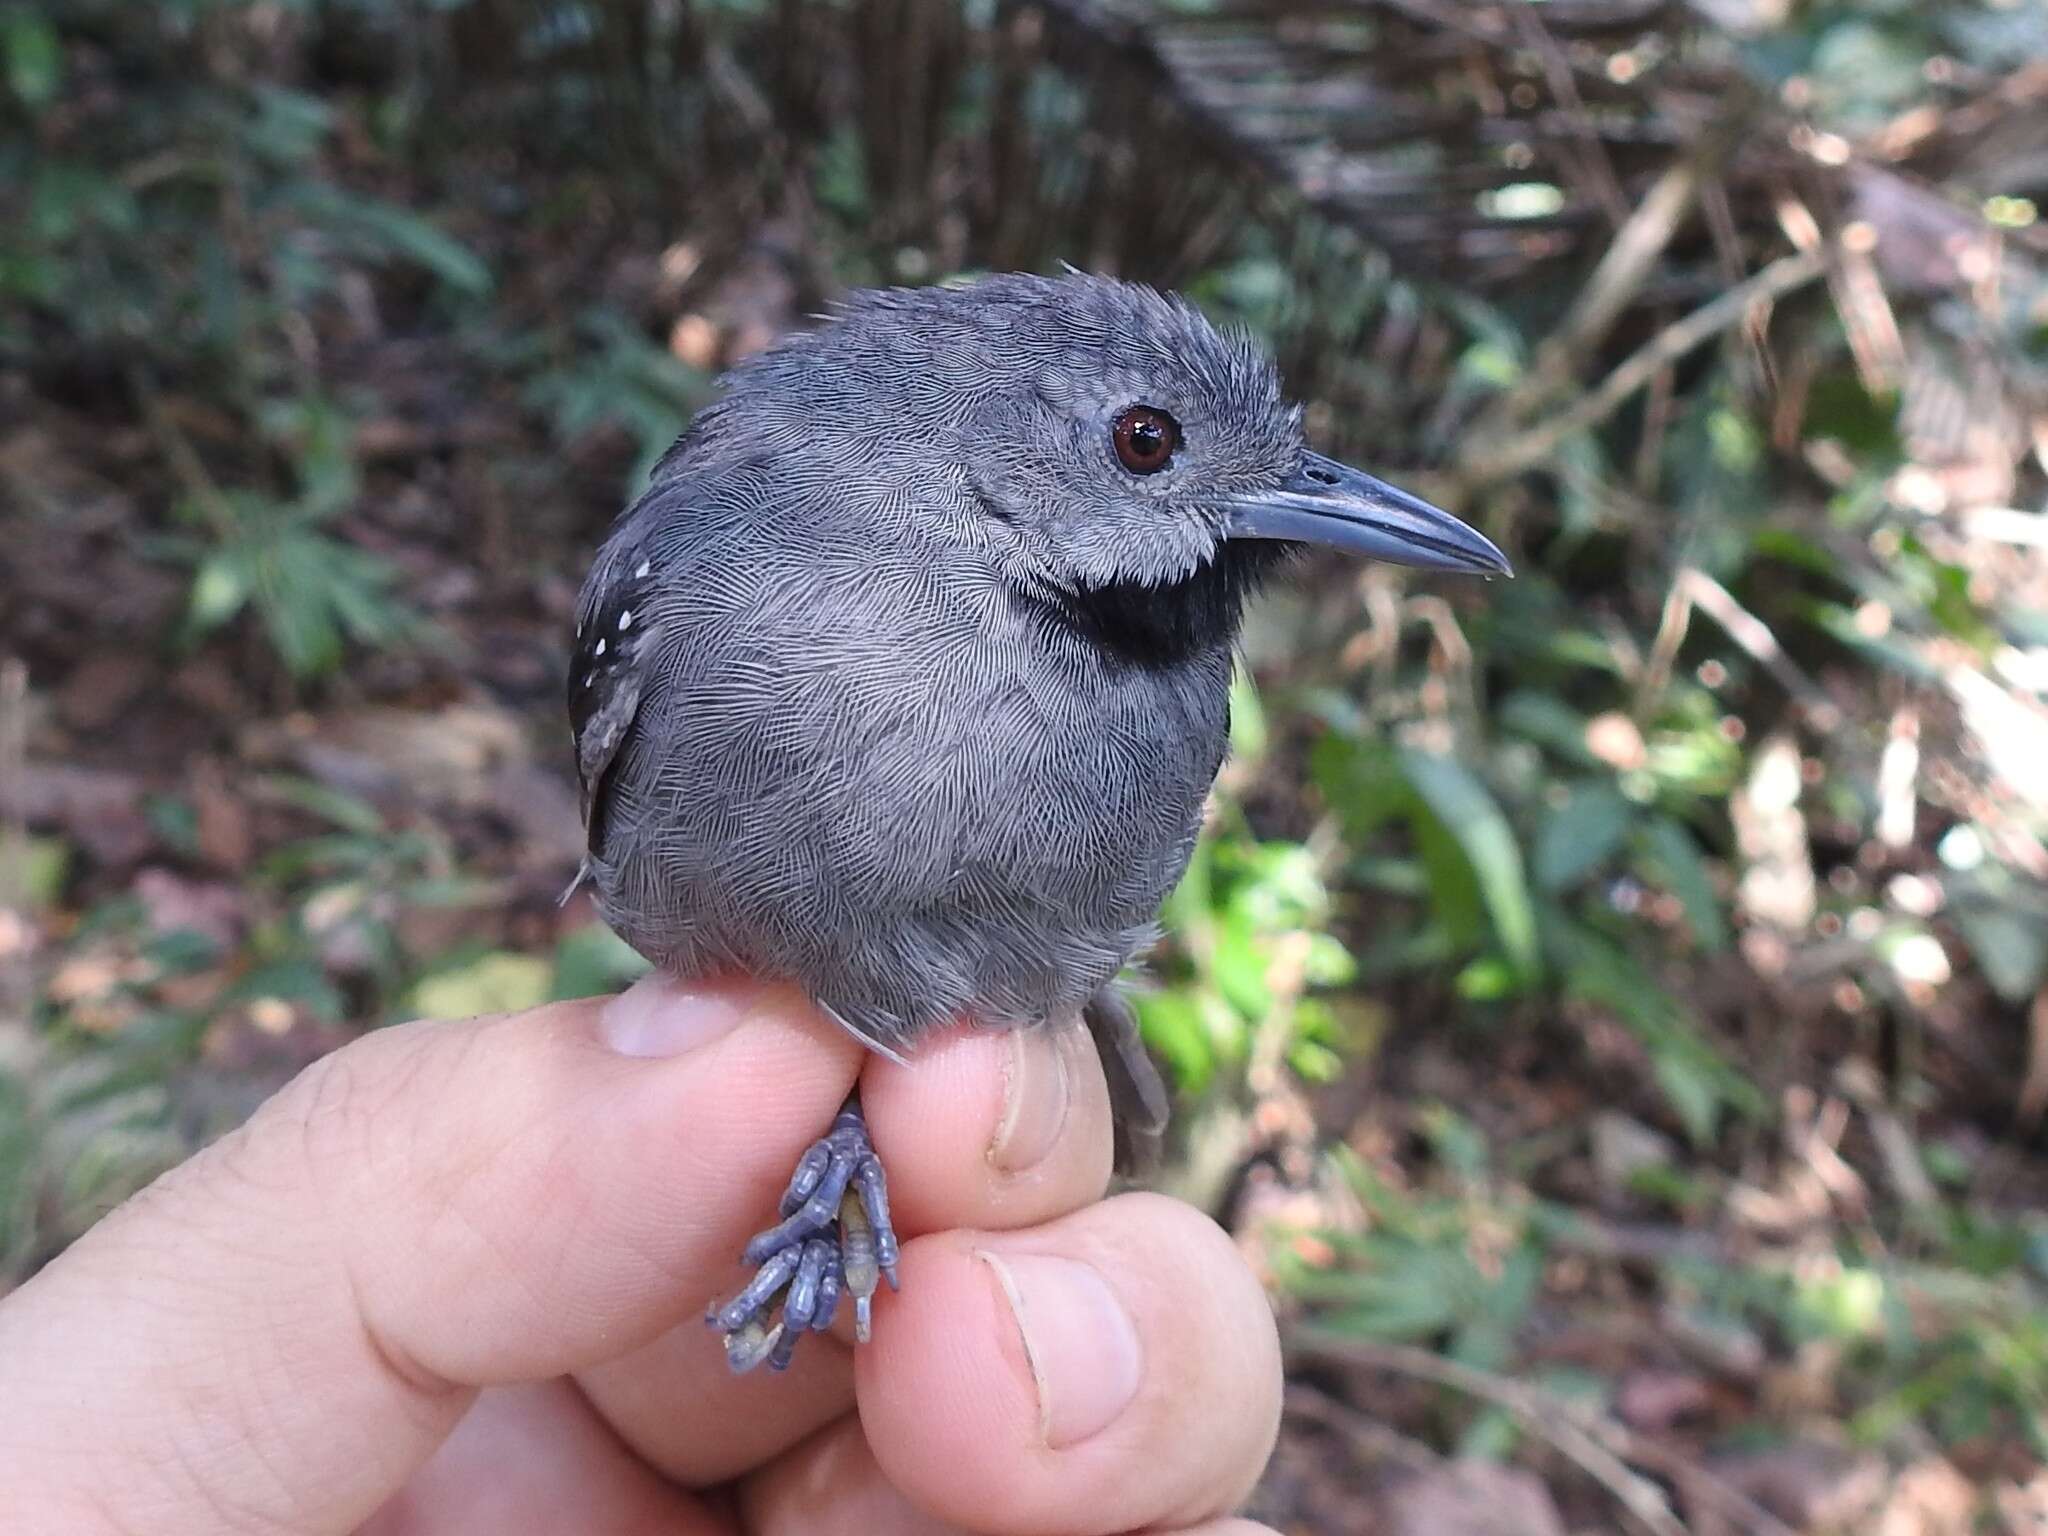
(1595, 1445)
(1667, 346)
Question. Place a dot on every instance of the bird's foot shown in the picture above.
(835, 1239)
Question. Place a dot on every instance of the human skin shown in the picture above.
(451, 1279)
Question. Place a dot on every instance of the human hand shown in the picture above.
(451, 1279)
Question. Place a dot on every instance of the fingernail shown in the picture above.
(660, 1016)
(1036, 1093)
(1079, 1342)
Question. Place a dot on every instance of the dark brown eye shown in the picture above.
(1145, 438)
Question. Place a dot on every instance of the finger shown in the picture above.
(538, 1458)
(289, 1323)
(991, 1129)
(831, 1485)
(981, 1129)
(679, 1407)
(1114, 1370)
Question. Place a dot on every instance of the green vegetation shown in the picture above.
(1651, 949)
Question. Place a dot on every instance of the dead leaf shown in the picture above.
(1808, 1484)
(227, 839)
(100, 810)
(100, 688)
(1929, 1499)
(175, 904)
(443, 757)
(1473, 1498)
(1653, 1401)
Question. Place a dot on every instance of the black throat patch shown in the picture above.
(1161, 626)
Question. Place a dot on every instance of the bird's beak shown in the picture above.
(1330, 503)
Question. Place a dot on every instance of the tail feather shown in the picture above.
(1137, 1094)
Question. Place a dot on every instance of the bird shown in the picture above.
(907, 677)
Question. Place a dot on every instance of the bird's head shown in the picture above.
(1126, 458)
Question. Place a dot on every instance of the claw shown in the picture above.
(748, 1346)
(874, 1200)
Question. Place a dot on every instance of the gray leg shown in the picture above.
(835, 1239)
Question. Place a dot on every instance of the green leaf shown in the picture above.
(1489, 979)
(297, 979)
(1238, 964)
(1675, 863)
(1457, 1143)
(1414, 1296)
(287, 126)
(593, 959)
(322, 439)
(1329, 963)
(1455, 899)
(381, 228)
(1838, 406)
(45, 867)
(1695, 1079)
(1581, 834)
(1249, 733)
(1172, 1026)
(220, 590)
(2010, 947)
(1548, 722)
(498, 982)
(349, 812)
(1693, 1089)
(1470, 814)
(296, 613)
(175, 821)
(34, 57)
(1361, 778)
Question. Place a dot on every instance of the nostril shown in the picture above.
(1321, 476)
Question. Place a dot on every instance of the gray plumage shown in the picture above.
(897, 683)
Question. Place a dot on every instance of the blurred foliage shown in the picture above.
(1731, 796)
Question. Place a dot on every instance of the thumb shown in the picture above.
(285, 1326)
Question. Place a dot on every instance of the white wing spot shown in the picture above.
(626, 619)
(644, 567)
(600, 649)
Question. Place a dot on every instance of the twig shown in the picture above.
(1373, 1439)
(1543, 1414)
(1671, 628)
(1596, 1444)
(1593, 155)
(1755, 637)
(1673, 342)
(1609, 290)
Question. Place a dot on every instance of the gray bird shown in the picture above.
(907, 677)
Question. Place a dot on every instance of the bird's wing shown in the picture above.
(616, 629)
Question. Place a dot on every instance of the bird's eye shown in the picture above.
(1145, 438)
